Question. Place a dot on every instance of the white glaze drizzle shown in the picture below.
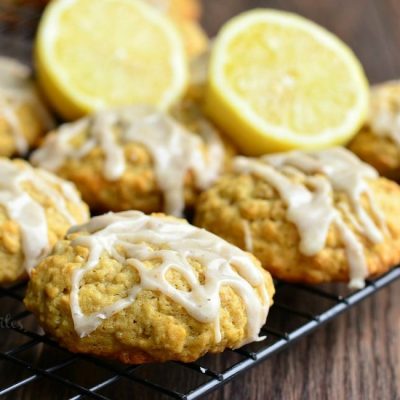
(384, 115)
(248, 237)
(174, 150)
(310, 201)
(132, 238)
(27, 212)
(17, 89)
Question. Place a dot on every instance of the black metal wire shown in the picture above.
(215, 379)
(16, 24)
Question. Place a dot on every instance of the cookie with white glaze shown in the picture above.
(36, 209)
(308, 217)
(186, 15)
(134, 158)
(140, 288)
(24, 118)
(378, 142)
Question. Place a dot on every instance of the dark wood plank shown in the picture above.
(370, 27)
(356, 356)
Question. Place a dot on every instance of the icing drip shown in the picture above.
(215, 154)
(132, 238)
(27, 212)
(310, 201)
(384, 118)
(16, 89)
(248, 238)
(174, 150)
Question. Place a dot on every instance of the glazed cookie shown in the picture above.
(309, 217)
(36, 209)
(181, 9)
(378, 142)
(140, 288)
(134, 158)
(195, 38)
(186, 14)
(189, 111)
(23, 117)
(192, 104)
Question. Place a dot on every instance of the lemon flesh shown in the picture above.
(278, 82)
(95, 54)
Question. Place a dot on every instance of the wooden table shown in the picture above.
(358, 355)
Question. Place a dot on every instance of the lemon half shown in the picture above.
(278, 81)
(95, 54)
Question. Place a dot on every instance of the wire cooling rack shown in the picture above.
(34, 366)
(30, 362)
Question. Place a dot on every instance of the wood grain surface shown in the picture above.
(357, 356)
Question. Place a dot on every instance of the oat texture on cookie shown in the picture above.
(378, 142)
(36, 209)
(134, 158)
(23, 116)
(140, 288)
(308, 216)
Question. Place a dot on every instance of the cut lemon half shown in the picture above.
(278, 81)
(95, 54)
